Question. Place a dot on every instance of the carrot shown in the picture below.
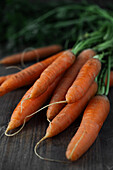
(92, 121)
(26, 76)
(84, 80)
(3, 78)
(60, 65)
(66, 82)
(66, 116)
(29, 106)
(38, 53)
(111, 79)
(69, 113)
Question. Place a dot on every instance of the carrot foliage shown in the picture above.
(81, 25)
(101, 41)
(57, 22)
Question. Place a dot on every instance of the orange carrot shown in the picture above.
(69, 113)
(60, 65)
(66, 82)
(92, 121)
(38, 53)
(84, 79)
(26, 76)
(29, 106)
(111, 79)
(3, 78)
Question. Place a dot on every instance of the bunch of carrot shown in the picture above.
(77, 96)
(78, 80)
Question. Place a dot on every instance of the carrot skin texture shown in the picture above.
(70, 112)
(92, 121)
(3, 78)
(31, 55)
(29, 106)
(59, 66)
(66, 82)
(111, 79)
(26, 76)
(84, 79)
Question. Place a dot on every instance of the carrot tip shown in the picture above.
(47, 159)
(49, 120)
(12, 127)
(6, 134)
(71, 154)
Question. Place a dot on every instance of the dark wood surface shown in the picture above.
(16, 153)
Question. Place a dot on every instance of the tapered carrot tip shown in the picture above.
(45, 137)
(2, 91)
(6, 131)
(10, 127)
(1, 61)
(94, 116)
